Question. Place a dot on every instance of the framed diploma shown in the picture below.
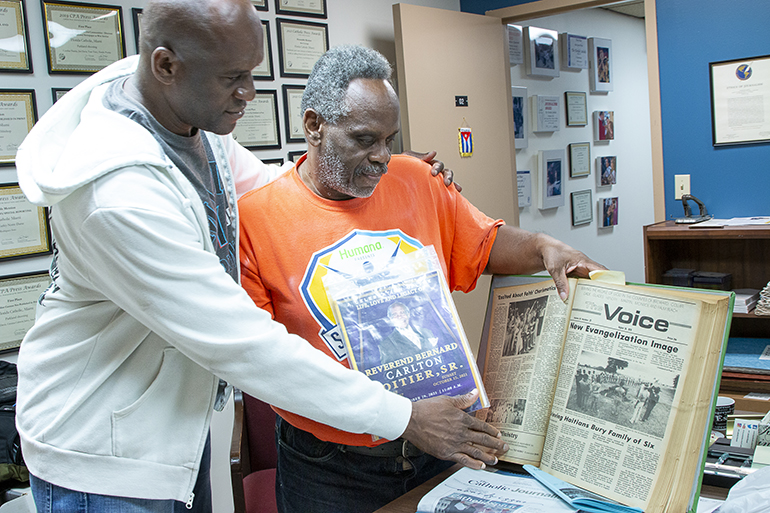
(18, 299)
(82, 38)
(258, 128)
(264, 71)
(292, 112)
(608, 212)
(600, 65)
(551, 163)
(542, 51)
(14, 37)
(520, 117)
(136, 15)
(579, 159)
(295, 155)
(300, 44)
(24, 227)
(582, 207)
(260, 5)
(576, 109)
(313, 8)
(740, 101)
(18, 113)
(57, 93)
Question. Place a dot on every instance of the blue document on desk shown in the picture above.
(750, 355)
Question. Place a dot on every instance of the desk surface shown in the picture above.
(407, 503)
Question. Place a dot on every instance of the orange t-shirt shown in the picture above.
(290, 238)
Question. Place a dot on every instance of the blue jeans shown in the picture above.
(50, 498)
(322, 477)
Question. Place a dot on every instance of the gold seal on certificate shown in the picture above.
(258, 128)
(17, 115)
(18, 299)
(82, 38)
(300, 44)
(24, 228)
(14, 38)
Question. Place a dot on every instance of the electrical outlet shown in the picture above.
(681, 185)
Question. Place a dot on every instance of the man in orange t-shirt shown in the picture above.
(345, 205)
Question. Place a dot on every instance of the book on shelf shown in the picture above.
(612, 391)
(745, 300)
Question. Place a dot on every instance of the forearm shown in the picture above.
(517, 251)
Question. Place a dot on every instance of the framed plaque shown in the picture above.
(18, 113)
(260, 5)
(545, 113)
(600, 65)
(606, 171)
(576, 108)
(582, 207)
(520, 117)
(258, 128)
(542, 51)
(608, 210)
(579, 159)
(18, 299)
(264, 71)
(740, 101)
(313, 8)
(295, 155)
(136, 14)
(292, 112)
(14, 37)
(515, 45)
(524, 187)
(24, 227)
(300, 44)
(57, 93)
(574, 52)
(82, 38)
(551, 179)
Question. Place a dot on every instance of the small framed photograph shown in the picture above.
(295, 155)
(515, 45)
(576, 108)
(82, 38)
(546, 115)
(300, 44)
(264, 70)
(606, 171)
(260, 5)
(136, 16)
(18, 114)
(579, 159)
(574, 52)
(24, 226)
(582, 207)
(542, 51)
(524, 188)
(14, 37)
(313, 8)
(608, 212)
(57, 93)
(600, 65)
(740, 101)
(520, 117)
(258, 128)
(18, 296)
(292, 112)
(551, 164)
(604, 125)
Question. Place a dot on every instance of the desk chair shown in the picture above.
(253, 455)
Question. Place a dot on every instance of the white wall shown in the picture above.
(620, 247)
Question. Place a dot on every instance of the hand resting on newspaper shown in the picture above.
(440, 427)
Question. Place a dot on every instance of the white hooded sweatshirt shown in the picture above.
(119, 374)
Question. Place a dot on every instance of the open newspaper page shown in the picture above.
(524, 345)
(476, 491)
(401, 328)
(619, 388)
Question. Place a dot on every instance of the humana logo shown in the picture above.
(361, 250)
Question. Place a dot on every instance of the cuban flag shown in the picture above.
(466, 142)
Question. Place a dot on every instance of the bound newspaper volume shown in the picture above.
(611, 391)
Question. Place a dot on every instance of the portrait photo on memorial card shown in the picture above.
(574, 52)
(294, 156)
(264, 70)
(258, 129)
(300, 44)
(600, 65)
(541, 51)
(312, 8)
(292, 112)
(579, 159)
(582, 207)
(608, 212)
(18, 113)
(260, 5)
(82, 38)
(515, 44)
(24, 227)
(606, 171)
(14, 37)
(136, 16)
(604, 125)
(575, 108)
(551, 179)
(19, 294)
(520, 117)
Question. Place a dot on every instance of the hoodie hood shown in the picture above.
(69, 146)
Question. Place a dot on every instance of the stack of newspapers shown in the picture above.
(745, 299)
(763, 305)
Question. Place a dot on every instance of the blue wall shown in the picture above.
(732, 181)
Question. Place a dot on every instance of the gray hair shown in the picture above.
(332, 74)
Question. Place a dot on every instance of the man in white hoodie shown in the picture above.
(119, 375)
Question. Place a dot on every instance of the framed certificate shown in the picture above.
(295, 155)
(606, 171)
(136, 14)
(545, 113)
(300, 44)
(515, 45)
(24, 227)
(551, 179)
(740, 101)
(582, 207)
(600, 65)
(258, 128)
(14, 37)
(520, 117)
(524, 188)
(292, 112)
(579, 159)
(18, 113)
(82, 38)
(542, 51)
(264, 71)
(313, 8)
(574, 52)
(18, 299)
(260, 5)
(57, 93)
(576, 109)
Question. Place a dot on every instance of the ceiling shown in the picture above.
(633, 8)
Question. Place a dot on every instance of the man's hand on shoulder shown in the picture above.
(440, 427)
(437, 167)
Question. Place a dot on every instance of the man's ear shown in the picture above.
(312, 123)
(164, 64)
